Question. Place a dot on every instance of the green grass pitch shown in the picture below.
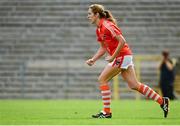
(78, 112)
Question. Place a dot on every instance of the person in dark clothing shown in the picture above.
(167, 76)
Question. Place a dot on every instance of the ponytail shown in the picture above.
(109, 16)
(97, 8)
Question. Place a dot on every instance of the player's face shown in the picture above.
(92, 18)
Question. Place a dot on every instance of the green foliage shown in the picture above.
(78, 112)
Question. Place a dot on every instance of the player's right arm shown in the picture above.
(101, 51)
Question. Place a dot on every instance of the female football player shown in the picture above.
(119, 60)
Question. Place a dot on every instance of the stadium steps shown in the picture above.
(58, 31)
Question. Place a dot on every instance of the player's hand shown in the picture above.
(90, 62)
(109, 59)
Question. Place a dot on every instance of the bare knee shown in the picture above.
(134, 85)
(102, 81)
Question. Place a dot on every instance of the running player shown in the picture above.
(119, 60)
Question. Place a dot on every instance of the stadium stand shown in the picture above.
(44, 43)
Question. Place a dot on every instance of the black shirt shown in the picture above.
(166, 76)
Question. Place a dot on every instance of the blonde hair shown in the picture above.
(97, 8)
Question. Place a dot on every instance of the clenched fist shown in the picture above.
(90, 62)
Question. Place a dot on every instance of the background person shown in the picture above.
(167, 76)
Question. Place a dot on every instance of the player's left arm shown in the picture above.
(121, 42)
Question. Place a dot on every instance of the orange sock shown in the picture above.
(106, 97)
(150, 93)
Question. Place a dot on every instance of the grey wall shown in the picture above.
(44, 43)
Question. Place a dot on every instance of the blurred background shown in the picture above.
(44, 45)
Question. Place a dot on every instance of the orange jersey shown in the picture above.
(106, 33)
